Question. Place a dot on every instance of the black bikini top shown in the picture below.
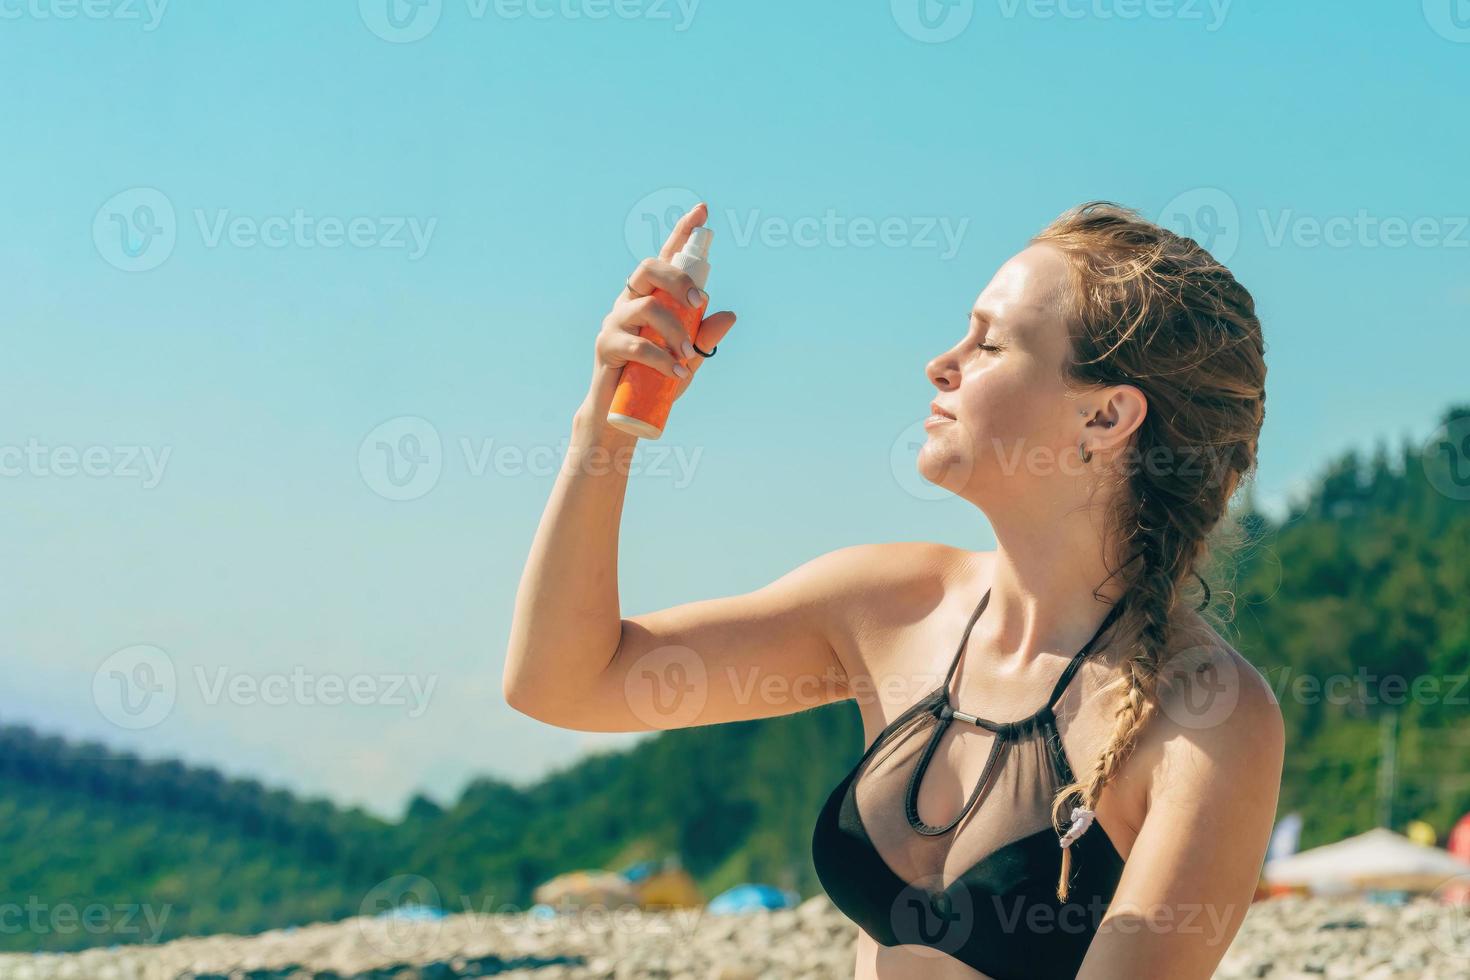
(886, 867)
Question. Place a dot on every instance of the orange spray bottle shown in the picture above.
(644, 395)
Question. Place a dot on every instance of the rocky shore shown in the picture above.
(1283, 939)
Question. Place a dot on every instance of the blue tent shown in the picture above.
(748, 897)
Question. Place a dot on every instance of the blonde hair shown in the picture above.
(1153, 309)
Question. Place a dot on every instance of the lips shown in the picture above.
(934, 408)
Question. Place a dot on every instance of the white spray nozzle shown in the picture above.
(697, 246)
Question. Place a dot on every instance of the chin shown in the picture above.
(944, 464)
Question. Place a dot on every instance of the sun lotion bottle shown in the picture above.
(644, 395)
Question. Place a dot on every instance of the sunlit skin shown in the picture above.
(1192, 807)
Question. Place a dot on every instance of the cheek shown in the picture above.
(1009, 402)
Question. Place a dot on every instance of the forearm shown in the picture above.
(567, 621)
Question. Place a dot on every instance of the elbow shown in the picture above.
(514, 690)
(531, 700)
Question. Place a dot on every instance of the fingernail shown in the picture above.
(688, 349)
(681, 370)
(696, 296)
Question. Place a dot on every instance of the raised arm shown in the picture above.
(573, 660)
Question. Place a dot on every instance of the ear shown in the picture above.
(1116, 414)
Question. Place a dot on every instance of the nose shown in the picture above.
(943, 372)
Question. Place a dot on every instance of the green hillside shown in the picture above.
(1370, 574)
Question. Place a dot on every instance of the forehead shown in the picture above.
(1024, 298)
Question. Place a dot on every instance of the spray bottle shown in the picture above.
(644, 395)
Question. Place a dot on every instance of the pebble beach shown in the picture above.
(1288, 938)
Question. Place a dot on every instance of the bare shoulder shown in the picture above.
(878, 591)
(1218, 723)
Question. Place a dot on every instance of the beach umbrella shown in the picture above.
(581, 889)
(1377, 859)
(670, 888)
(1459, 842)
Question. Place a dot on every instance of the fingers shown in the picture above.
(714, 328)
(710, 333)
(691, 220)
(651, 313)
(657, 273)
(617, 347)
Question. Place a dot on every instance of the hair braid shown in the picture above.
(1155, 310)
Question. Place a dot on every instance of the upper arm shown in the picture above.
(1214, 760)
(780, 649)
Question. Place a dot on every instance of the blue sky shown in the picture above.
(250, 246)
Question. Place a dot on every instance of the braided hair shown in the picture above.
(1153, 309)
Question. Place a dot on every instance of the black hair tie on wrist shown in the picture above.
(710, 353)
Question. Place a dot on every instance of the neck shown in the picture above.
(1045, 587)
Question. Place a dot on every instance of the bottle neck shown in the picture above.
(697, 269)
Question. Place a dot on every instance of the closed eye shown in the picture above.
(988, 347)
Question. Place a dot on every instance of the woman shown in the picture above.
(1085, 786)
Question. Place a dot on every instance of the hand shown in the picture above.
(619, 342)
